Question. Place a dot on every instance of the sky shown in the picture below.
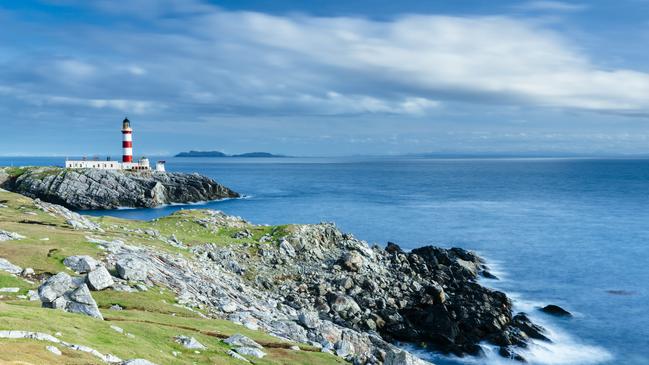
(324, 78)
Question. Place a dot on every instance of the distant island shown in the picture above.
(221, 154)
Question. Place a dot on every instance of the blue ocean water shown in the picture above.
(573, 232)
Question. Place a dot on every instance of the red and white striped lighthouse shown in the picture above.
(127, 141)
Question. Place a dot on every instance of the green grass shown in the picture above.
(152, 336)
(15, 171)
(9, 281)
(150, 316)
(157, 300)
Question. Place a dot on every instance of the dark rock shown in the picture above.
(555, 310)
(430, 295)
(109, 189)
(509, 354)
(489, 275)
(352, 261)
(532, 330)
(393, 248)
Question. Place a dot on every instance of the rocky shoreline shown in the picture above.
(84, 189)
(309, 284)
(314, 284)
(428, 296)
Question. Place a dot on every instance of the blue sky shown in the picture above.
(326, 77)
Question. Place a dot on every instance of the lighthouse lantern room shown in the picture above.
(127, 157)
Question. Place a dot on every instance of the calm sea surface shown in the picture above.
(573, 232)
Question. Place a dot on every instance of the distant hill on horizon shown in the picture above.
(221, 154)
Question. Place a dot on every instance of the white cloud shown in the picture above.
(490, 58)
(205, 60)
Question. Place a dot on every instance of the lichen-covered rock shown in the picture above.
(308, 319)
(8, 236)
(250, 351)
(239, 340)
(132, 268)
(61, 291)
(55, 287)
(190, 343)
(286, 249)
(7, 266)
(109, 189)
(99, 279)
(81, 263)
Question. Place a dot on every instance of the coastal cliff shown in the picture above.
(110, 189)
(322, 294)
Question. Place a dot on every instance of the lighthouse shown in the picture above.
(127, 157)
(127, 142)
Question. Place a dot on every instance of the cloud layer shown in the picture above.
(189, 57)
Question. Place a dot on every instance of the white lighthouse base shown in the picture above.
(142, 165)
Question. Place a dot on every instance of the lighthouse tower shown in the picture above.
(127, 142)
(143, 165)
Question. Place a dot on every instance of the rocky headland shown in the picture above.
(110, 189)
(312, 287)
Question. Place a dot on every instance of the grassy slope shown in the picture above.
(151, 316)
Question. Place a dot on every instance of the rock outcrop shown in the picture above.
(8, 236)
(429, 295)
(64, 292)
(7, 266)
(314, 284)
(109, 189)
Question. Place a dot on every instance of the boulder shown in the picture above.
(243, 234)
(522, 322)
(352, 261)
(8, 236)
(7, 266)
(55, 287)
(81, 263)
(61, 291)
(250, 351)
(190, 343)
(132, 269)
(81, 301)
(239, 340)
(344, 348)
(99, 279)
(344, 305)
(286, 249)
(555, 310)
(308, 319)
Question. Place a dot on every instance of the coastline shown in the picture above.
(481, 227)
(315, 245)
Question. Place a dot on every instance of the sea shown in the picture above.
(567, 231)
